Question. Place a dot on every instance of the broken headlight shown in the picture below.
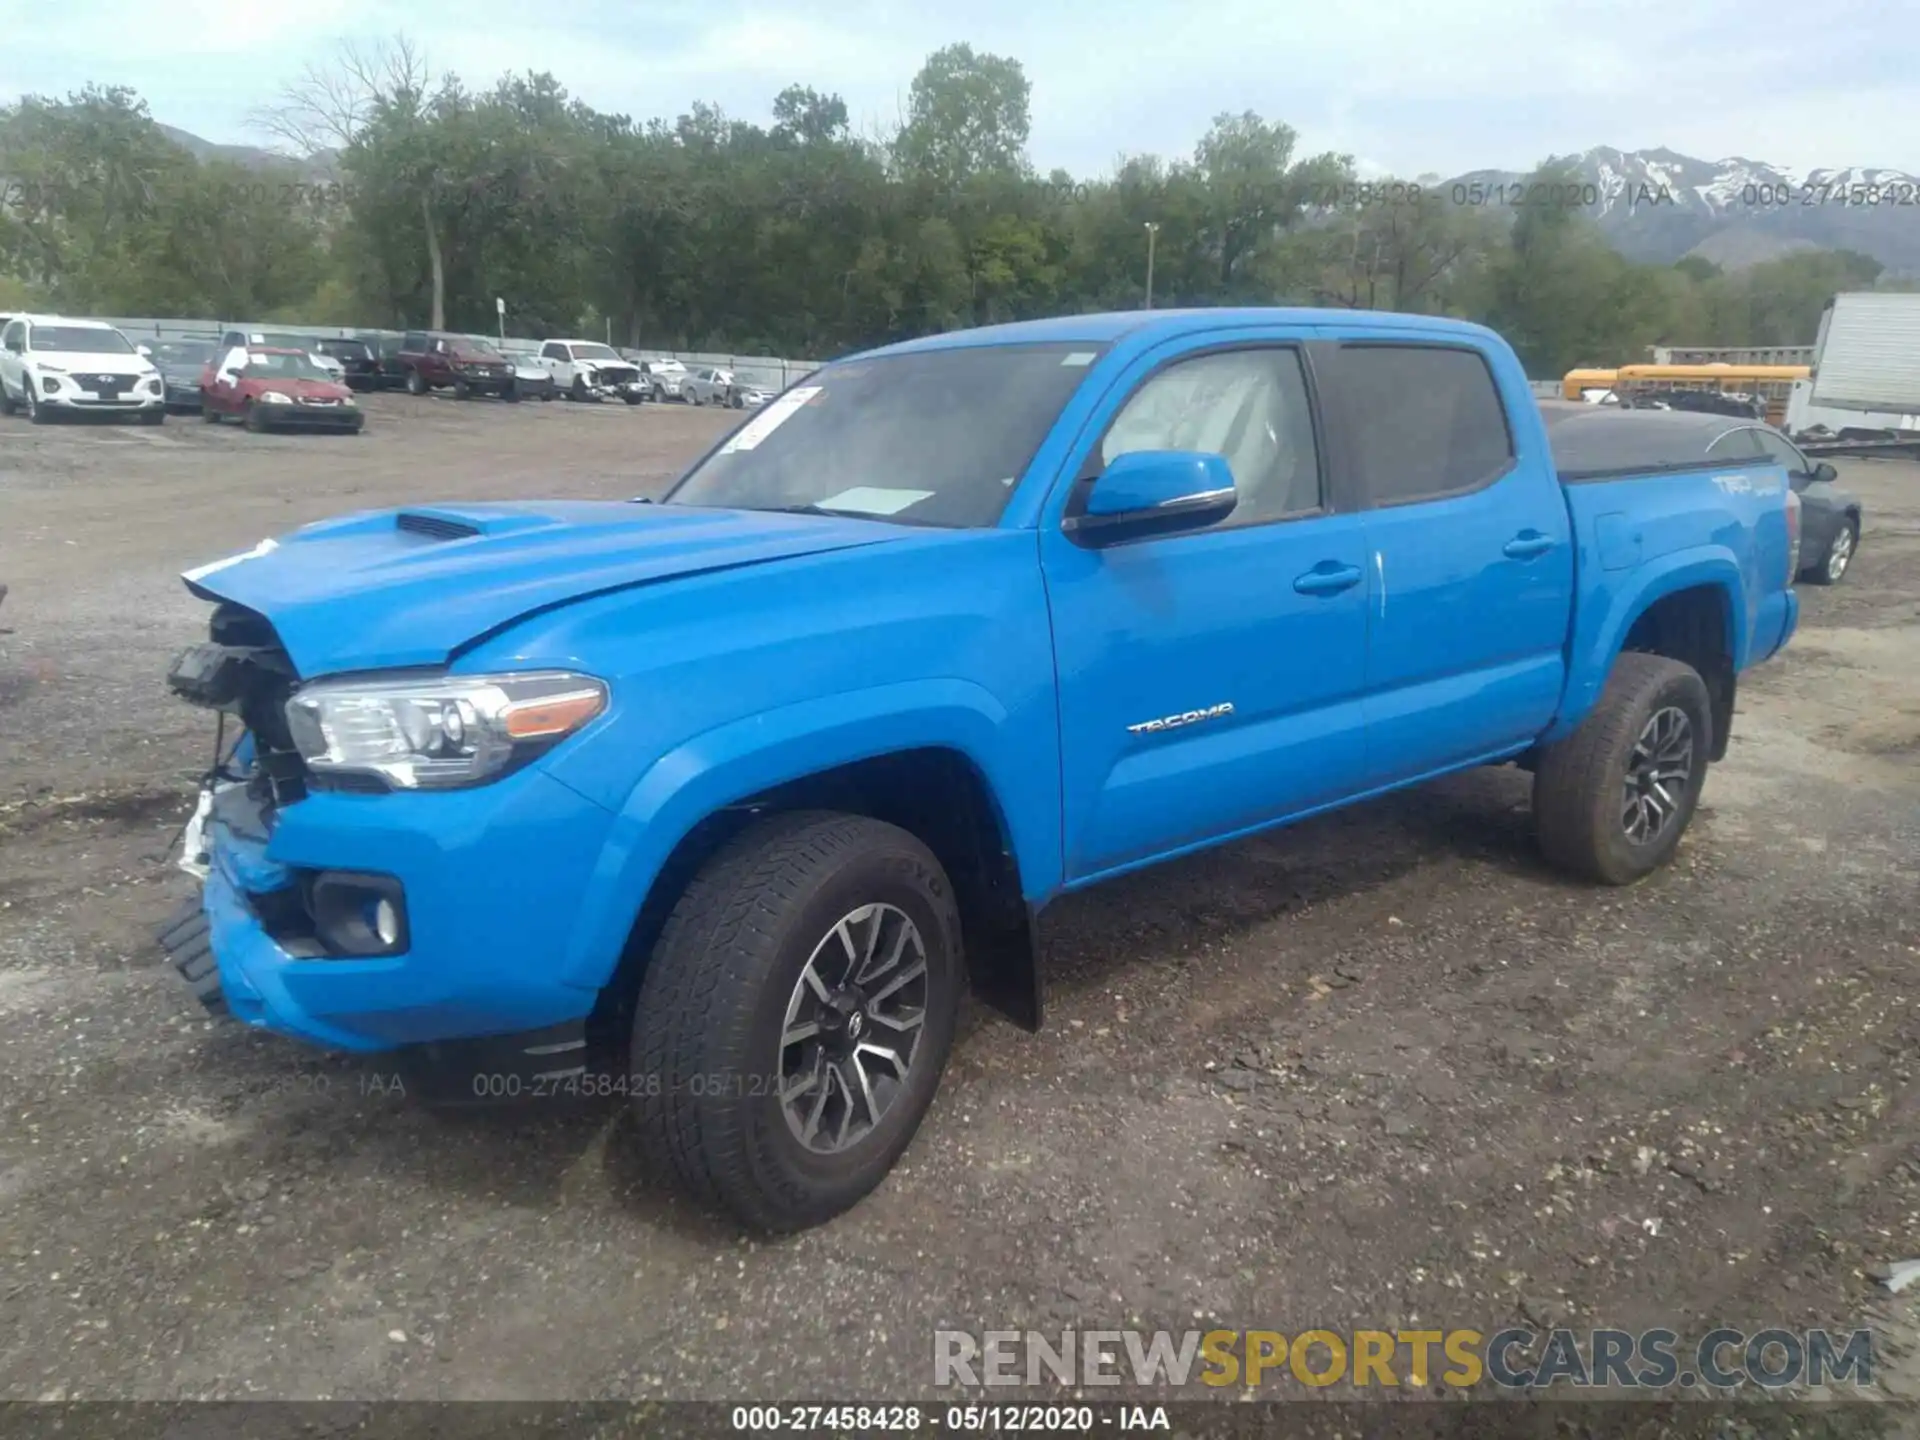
(438, 732)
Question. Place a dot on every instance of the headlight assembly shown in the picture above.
(275, 397)
(438, 732)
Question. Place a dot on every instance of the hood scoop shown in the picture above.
(434, 527)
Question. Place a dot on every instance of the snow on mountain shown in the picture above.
(1658, 205)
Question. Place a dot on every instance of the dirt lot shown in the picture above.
(1381, 1069)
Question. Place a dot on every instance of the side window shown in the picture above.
(1776, 447)
(1248, 405)
(1741, 444)
(551, 351)
(1425, 421)
(414, 342)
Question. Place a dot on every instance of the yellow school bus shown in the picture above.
(1768, 384)
(1575, 384)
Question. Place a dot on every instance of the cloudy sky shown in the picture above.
(1405, 87)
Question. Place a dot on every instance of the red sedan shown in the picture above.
(270, 389)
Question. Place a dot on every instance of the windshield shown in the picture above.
(934, 438)
(473, 350)
(284, 367)
(80, 340)
(183, 352)
(345, 349)
(595, 352)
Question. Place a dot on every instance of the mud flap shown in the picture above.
(185, 937)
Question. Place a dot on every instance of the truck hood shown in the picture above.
(411, 587)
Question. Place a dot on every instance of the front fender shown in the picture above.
(747, 756)
(1610, 601)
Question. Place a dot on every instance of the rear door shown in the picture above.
(1470, 551)
(1210, 682)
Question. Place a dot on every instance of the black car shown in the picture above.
(360, 368)
(180, 362)
(1595, 437)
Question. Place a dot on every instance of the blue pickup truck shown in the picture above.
(721, 802)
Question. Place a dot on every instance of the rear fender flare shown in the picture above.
(1606, 610)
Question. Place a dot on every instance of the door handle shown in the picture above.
(1527, 544)
(1329, 577)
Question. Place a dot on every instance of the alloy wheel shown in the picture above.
(1659, 769)
(1840, 554)
(852, 1028)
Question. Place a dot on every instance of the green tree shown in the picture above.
(967, 114)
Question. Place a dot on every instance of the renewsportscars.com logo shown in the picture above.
(1513, 1359)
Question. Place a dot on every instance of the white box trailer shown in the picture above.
(1866, 367)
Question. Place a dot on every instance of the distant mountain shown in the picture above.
(251, 156)
(1658, 205)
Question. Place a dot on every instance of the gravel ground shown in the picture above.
(1381, 1069)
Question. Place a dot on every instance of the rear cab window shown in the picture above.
(1423, 421)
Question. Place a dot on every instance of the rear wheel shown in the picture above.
(1612, 800)
(415, 385)
(1833, 567)
(792, 1027)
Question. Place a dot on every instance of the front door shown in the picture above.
(1210, 682)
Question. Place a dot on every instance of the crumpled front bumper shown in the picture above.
(493, 878)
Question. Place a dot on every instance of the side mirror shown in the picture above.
(1825, 473)
(144, 350)
(1155, 492)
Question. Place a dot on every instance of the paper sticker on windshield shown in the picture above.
(265, 547)
(770, 419)
(873, 500)
(1077, 359)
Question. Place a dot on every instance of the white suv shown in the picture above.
(49, 364)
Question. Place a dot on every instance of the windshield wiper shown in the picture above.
(817, 510)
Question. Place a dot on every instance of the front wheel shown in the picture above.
(792, 1027)
(1611, 801)
(415, 385)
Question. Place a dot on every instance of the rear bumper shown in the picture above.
(1779, 617)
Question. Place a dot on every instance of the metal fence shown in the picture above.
(771, 372)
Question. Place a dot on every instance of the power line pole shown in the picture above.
(1153, 232)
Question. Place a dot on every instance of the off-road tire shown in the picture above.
(712, 1004)
(1579, 782)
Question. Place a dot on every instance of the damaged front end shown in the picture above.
(244, 675)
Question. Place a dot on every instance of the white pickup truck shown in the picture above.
(588, 370)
